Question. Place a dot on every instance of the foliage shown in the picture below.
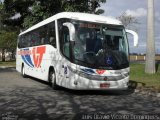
(34, 11)
(42, 10)
(8, 39)
(1, 14)
(8, 35)
(14, 7)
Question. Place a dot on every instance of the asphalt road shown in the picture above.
(29, 98)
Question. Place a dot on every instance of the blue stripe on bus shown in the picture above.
(28, 58)
(23, 57)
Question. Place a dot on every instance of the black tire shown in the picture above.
(23, 72)
(52, 79)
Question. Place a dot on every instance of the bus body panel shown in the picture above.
(36, 60)
(74, 80)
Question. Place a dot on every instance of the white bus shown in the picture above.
(76, 51)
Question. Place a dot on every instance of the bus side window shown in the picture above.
(52, 34)
(23, 42)
(64, 38)
(35, 38)
(31, 40)
(42, 41)
(20, 42)
(28, 37)
(43, 35)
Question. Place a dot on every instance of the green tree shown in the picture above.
(94, 6)
(34, 11)
(8, 34)
(42, 10)
(1, 26)
(1, 12)
(7, 40)
(15, 7)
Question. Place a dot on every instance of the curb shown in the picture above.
(3, 67)
(148, 92)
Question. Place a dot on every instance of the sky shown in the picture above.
(138, 9)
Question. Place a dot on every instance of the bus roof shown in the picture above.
(76, 16)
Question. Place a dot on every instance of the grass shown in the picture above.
(8, 63)
(149, 80)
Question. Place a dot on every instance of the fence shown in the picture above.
(141, 57)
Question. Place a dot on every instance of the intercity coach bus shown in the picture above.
(76, 51)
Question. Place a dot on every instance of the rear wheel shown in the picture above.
(52, 79)
(23, 71)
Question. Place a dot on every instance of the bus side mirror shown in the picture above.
(71, 28)
(135, 36)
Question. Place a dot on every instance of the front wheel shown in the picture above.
(52, 79)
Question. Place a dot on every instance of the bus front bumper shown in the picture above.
(86, 84)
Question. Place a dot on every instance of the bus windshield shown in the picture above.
(100, 46)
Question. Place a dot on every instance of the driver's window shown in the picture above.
(65, 41)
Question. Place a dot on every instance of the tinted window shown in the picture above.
(51, 34)
(41, 36)
(64, 41)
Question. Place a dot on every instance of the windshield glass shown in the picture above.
(100, 46)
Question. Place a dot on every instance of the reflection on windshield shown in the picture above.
(100, 45)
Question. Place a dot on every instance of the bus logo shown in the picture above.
(109, 60)
(33, 58)
(38, 55)
(100, 71)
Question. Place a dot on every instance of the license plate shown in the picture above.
(104, 85)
